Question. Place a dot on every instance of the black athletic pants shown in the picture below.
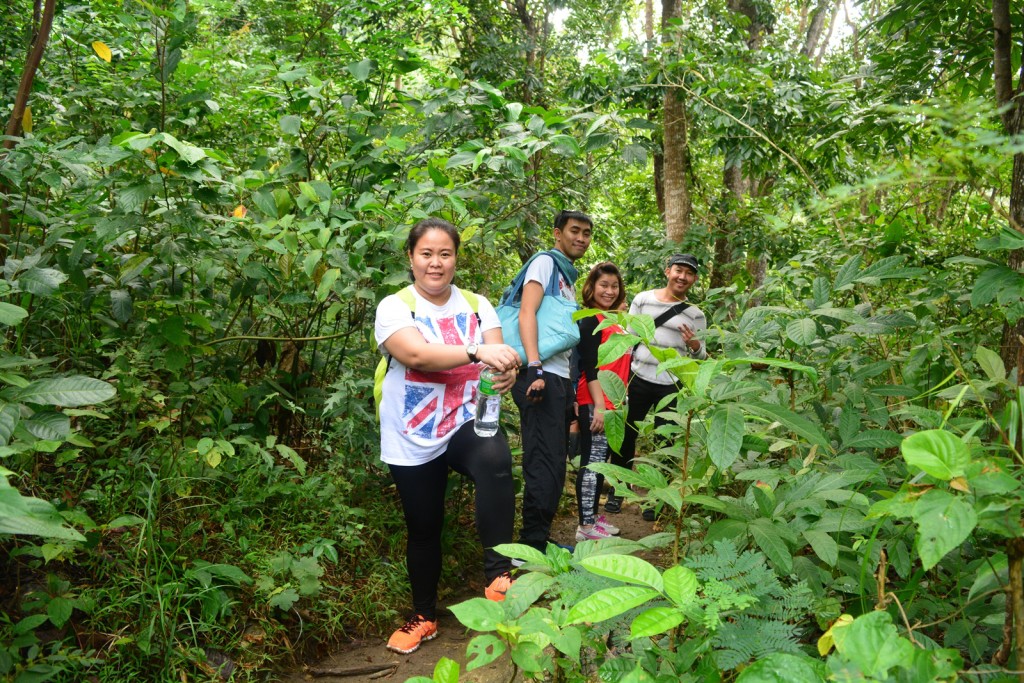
(545, 433)
(487, 461)
(643, 396)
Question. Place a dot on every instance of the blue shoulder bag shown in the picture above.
(556, 330)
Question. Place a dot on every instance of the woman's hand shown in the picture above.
(503, 382)
(597, 421)
(501, 357)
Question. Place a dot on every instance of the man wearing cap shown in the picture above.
(677, 326)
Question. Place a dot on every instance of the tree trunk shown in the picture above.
(28, 76)
(648, 22)
(735, 186)
(675, 124)
(814, 29)
(1009, 97)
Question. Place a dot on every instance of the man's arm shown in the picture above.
(533, 294)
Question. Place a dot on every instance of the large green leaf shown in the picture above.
(725, 435)
(873, 644)
(823, 545)
(990, 363)
(48, 425)
(655, 620)
(11, 315)
(615, 427)
(787, 418)
(70, 392)
(608, 603)
(479, 614)
(28, 516)
(612, 386)
(802, 332)
(938, 452)
(483, 650)
(41, 281)
(10, 415)
(944, 521)
(769, 540)
(782, 667)
(625, 568)
(680, 585)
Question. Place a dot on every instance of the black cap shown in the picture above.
(688, 260)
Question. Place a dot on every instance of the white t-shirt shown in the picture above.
(667, 336)
(421, 411)
(540, 272)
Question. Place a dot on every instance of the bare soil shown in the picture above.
(369, 660)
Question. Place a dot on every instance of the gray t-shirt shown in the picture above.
(667, 335)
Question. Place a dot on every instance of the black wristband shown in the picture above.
(540, 372)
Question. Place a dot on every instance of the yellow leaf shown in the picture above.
(827, 641)
(960, 484)
(240, 211)
(102, 50)
(26, 120)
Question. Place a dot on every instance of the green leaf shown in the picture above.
(48, 425)
(439, 178)
(446, 671)
(944, 521)
(59, 610)
(627, 568)
(938, 452)
(824, 546)
(40, 281)
(874, 438)
(479, 614)
(361, 70)
(617, 346)
(802, 332)
(655, 620)
(615, 427)
(787, 418)
(483, 650)
(782, 667)
(10, 415)
(11, 315)
(873, 644)
(519, 551)
(680, 585)
(121, 305)
(327, 281)
(612, 386)
(725, 435)
(847, 274)
(284, 599)
(29, 516)
(991, 364)
(70, 392)
(608, 603)
(771, 544)
(188, 153)
(991, 282)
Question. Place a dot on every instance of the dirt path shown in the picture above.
(369, 660)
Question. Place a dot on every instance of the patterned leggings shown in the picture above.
(593, 449)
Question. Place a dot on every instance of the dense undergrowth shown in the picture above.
(208, 202)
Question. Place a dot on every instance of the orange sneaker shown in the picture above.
(408, 638)
(499, 586)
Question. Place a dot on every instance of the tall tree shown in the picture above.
(675, 143)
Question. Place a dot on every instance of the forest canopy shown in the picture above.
(202, 203)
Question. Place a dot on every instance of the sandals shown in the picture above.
(613, 504)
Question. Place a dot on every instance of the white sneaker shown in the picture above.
(595, 533)
(603, 522)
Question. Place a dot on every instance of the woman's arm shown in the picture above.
(409, 347)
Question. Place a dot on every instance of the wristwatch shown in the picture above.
(471, 350)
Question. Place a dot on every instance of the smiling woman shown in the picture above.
(437, 340)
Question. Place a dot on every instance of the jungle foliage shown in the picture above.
(202, 202)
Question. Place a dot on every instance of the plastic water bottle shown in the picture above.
(488, 405)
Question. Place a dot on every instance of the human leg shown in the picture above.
(487, 461)
(544, 430)
(594, 449)
(421, 489)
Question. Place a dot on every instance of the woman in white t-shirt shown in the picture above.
(426, 418)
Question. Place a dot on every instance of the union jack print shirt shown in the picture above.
(420, 411)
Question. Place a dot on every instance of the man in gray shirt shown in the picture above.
(677, 331)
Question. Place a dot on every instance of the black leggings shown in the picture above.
(593, 448)
(486, 461)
